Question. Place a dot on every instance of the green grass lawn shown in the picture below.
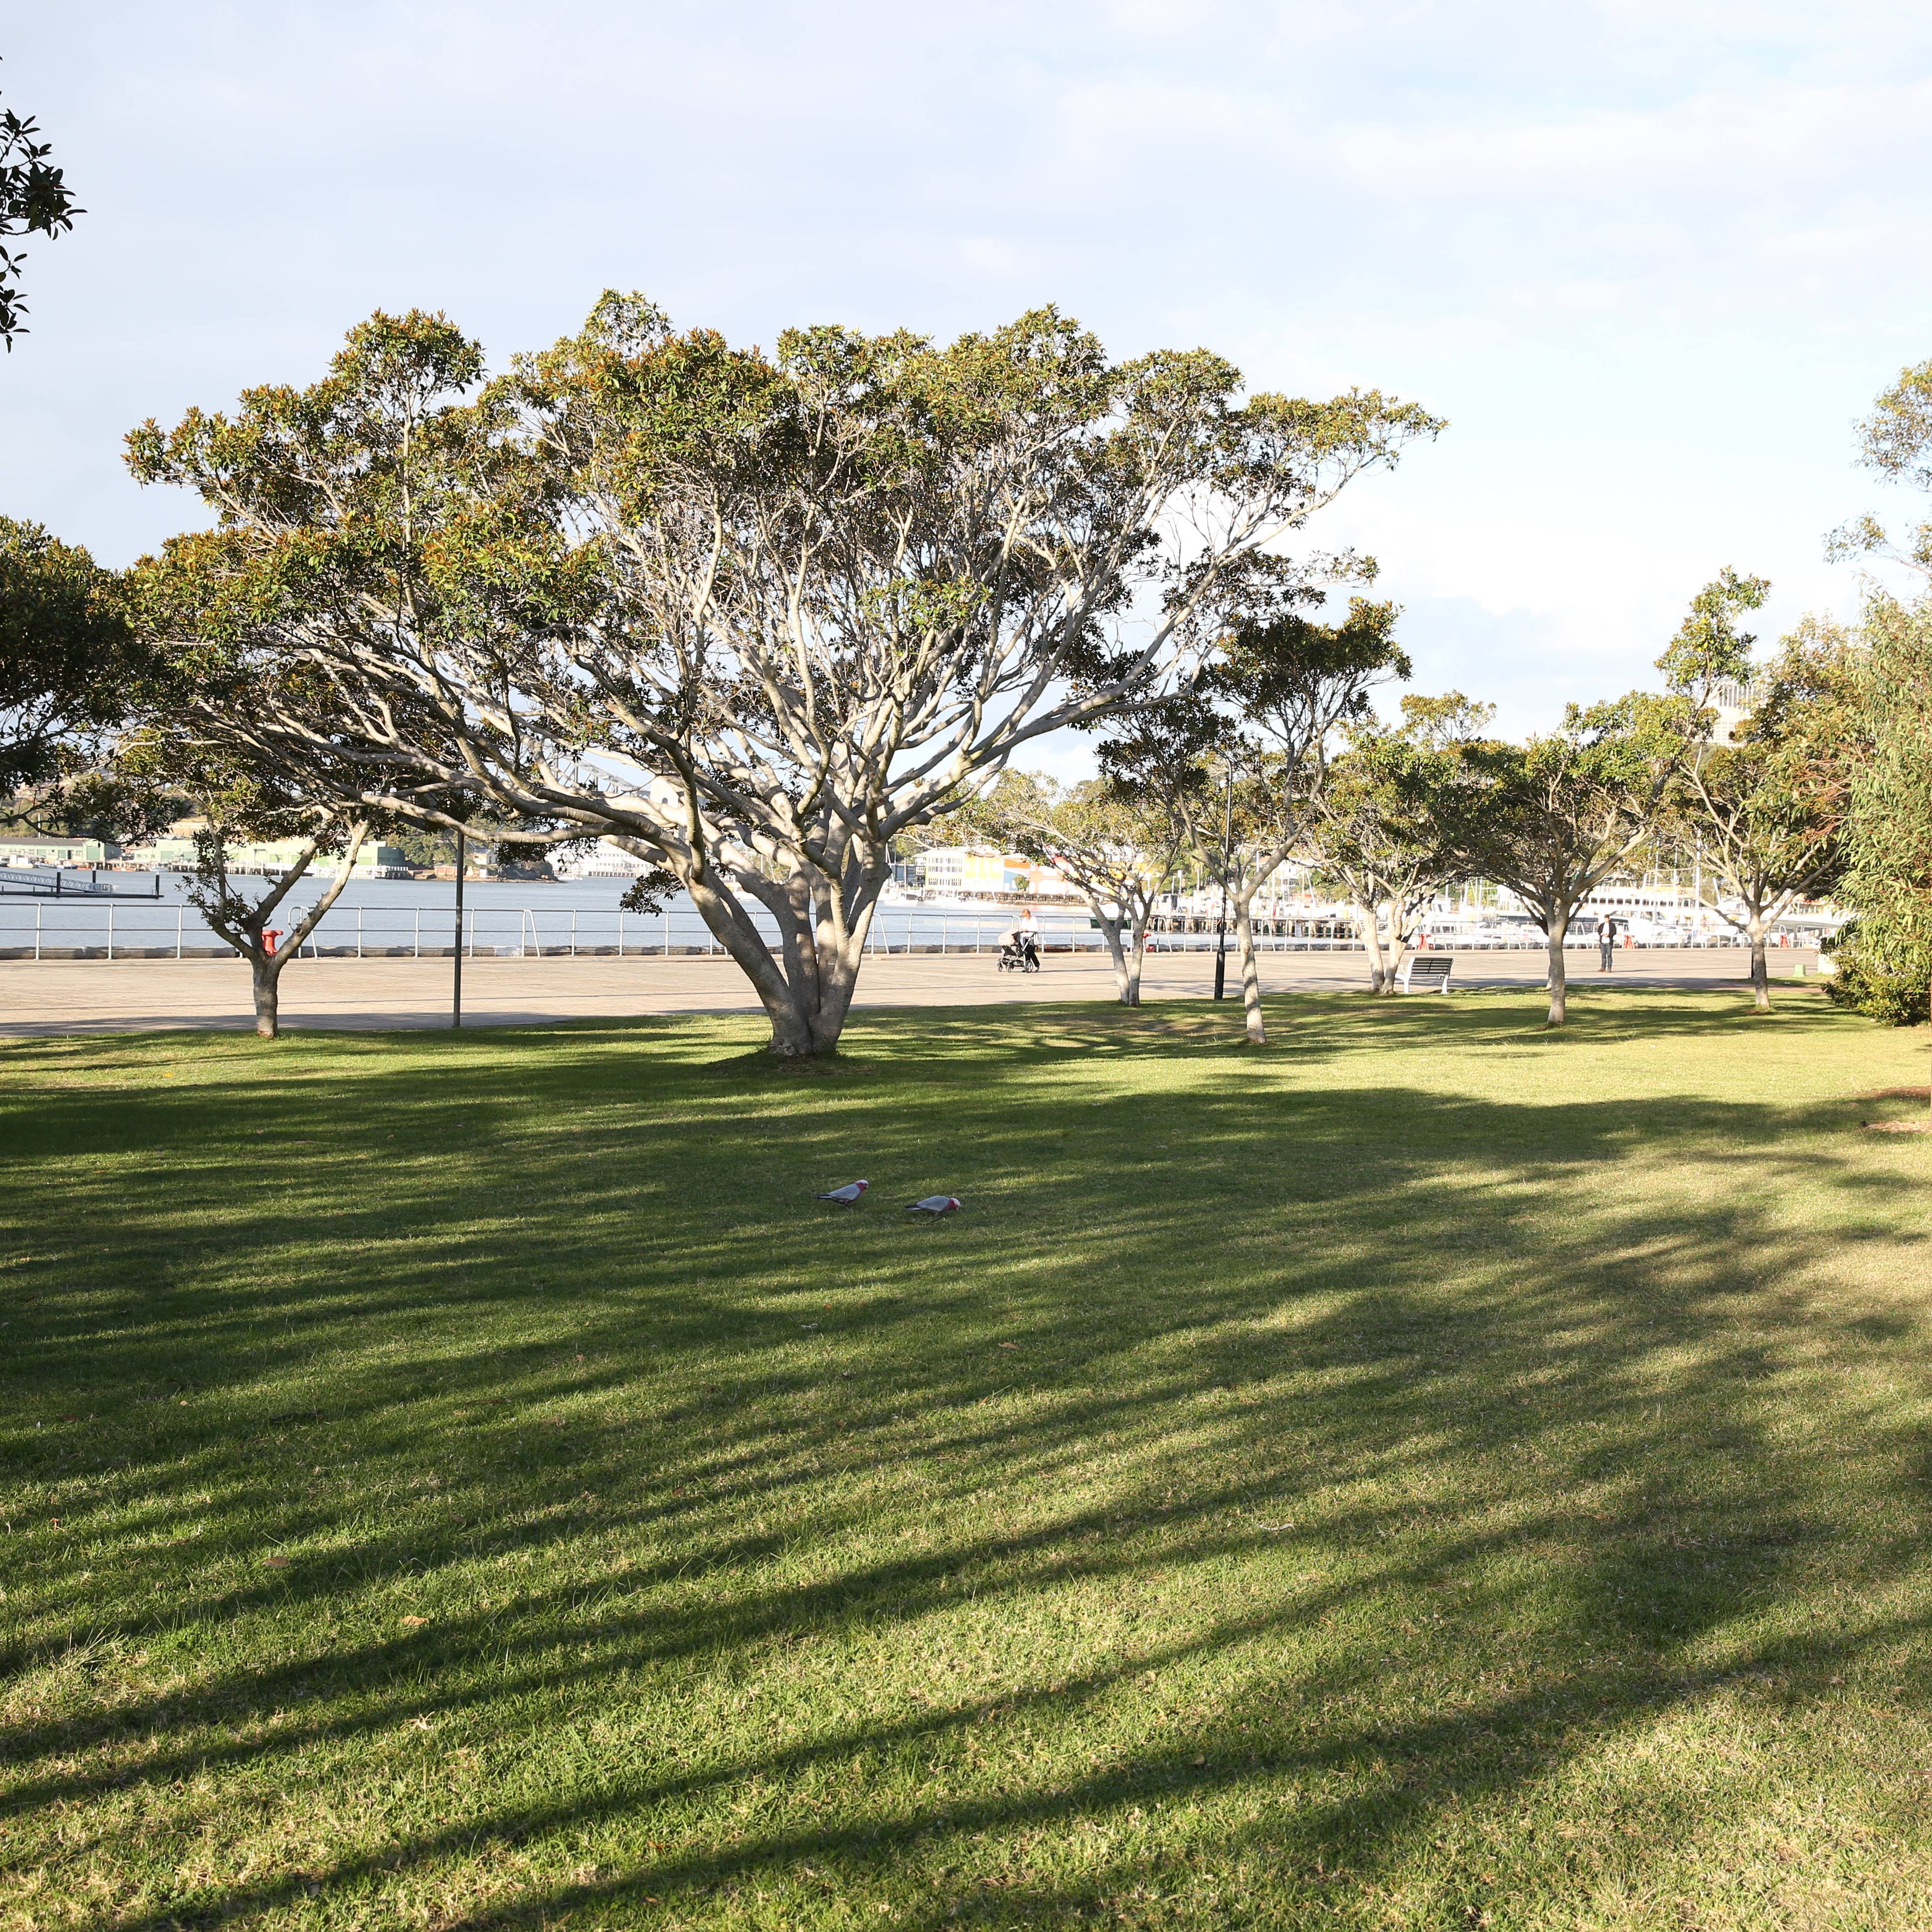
(1431, 1474)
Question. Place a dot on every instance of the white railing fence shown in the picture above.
(48, 928)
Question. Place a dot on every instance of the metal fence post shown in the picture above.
(37, 932)
(110, 932)
(178, 910)
(573, 932)
(418, 940)
(620, 932)
(667, 940)
(359, 932)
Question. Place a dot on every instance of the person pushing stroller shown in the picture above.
(1019, 948)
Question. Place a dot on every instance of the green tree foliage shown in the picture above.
(35, 200)
(1884, 963)
(1762, 809)
(1709, 649)
(1281, 690)
(366, 527)
(1386, 838)
(1553, 818)
(1895, 442)
(1884, 959)
(66, 661)
(290, 688)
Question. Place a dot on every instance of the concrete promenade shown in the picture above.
(62, 996)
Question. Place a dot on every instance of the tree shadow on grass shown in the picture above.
(1493, 1353)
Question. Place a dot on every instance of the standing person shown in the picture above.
(1607, 939)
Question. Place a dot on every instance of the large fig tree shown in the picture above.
(752, 617)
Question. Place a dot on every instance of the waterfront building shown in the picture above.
(73, 855)
(954, 872)
(175, 853)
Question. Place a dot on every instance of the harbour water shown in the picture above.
(382, 918)
(385, 918)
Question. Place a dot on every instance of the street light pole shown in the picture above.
(1227, 849)
(456, 993)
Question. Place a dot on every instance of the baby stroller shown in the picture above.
(1020, 954)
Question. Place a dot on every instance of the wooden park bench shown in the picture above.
(1426, 973)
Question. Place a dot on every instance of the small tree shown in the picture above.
(243, 918)
(1287, 686)
(1765, 807)
(1386, 833)
(186, 748)
(1553, 818)
(1118, 844)
(232, 713)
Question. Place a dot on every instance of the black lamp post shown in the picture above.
(1227, 850)
(456, 993)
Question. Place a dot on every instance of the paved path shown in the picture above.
(64, 996)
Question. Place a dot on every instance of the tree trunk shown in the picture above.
(266, 972)
(1395, 950)
(1251, 972)
(1126, 976)
(1379, 979)
(1760, 968)
(1557, 926)
(807, 990)
(1136, 958)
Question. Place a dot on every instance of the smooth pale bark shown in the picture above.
(1126, 937)
(806, 991)
(1116, 951)
(1556, 926)
(1251, 975)
(1396, 948)
(1383, 923)
(265, 970)
(1126, 947)
(1760, 967)
(1137, 946)
(1380, 979)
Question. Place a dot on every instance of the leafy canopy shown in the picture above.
(35, 200)
(66, 658)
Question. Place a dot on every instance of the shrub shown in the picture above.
(1883, 965)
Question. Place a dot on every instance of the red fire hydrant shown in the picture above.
(270, 933)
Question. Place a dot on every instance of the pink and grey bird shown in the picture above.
(848, 1195)
(934, 1204)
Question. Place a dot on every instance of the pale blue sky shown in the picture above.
(1652, 260)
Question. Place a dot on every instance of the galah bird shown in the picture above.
(934, 1204)
(847, 1196)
